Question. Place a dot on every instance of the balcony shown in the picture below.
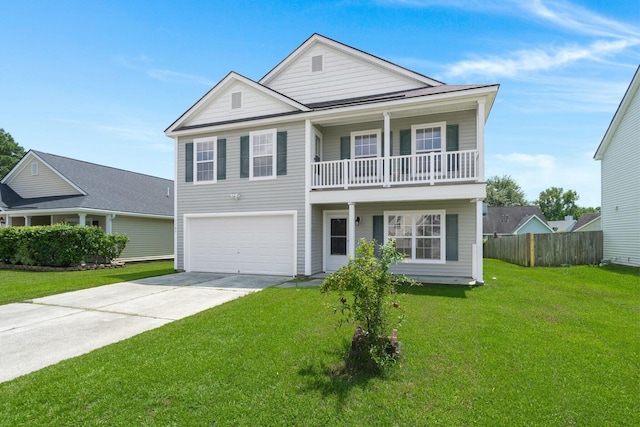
(417, 169)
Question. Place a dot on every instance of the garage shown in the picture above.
(241, 243)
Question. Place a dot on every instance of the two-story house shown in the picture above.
(285, 175)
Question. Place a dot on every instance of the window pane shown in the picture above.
(338, 246)
(338, 227)
(366, 145)
(262, 166)
(204, 171)
(428, 139)
(403, 246)
(427, 248)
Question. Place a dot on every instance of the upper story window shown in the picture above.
(428, 137)
(205, 159)
(317, 63)
(365, 144)
(34, 168)
(420, 236)
(236, 100)
(262, 154)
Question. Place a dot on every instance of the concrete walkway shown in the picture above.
(45, 331)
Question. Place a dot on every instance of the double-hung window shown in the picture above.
(420, 236)
(365, 145)
(262, 154)
(205, 160)
(427, 140)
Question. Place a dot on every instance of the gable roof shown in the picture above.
(586, 219)
(320, 39)
(509, 219)
(617, 117)
(104, 188)
(562, 225)
(221, 85)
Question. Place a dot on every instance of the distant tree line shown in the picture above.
(555, 202)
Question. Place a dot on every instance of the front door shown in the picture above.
(336, 241)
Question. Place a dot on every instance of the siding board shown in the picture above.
(147, 236)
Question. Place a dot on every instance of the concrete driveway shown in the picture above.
(44, 331)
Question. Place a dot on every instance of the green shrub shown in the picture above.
(58, 245)
(374, 304)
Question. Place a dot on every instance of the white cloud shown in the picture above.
(144, 63)
(538, 59)
(537, 172)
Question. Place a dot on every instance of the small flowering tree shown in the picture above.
(373, 304)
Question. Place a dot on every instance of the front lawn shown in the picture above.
(534, 347)
(22, 285)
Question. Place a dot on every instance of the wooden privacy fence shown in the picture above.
(547, 250)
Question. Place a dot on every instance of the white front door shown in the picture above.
(335, 230)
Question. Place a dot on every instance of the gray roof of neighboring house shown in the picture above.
(562, 225)
(106, 188)
(507, 219)
(585, 219)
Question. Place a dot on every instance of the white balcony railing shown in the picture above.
(428, 168)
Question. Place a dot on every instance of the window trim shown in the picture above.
(414, 213)
(274, 154)
(377, 132)
(443, 136)
(196, 141)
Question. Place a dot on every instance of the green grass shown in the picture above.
(22, 285)
(533, 347)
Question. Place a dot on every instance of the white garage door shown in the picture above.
(241, 244)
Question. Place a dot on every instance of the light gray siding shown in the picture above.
(254, 104)
(621, 190)
(466, 233)
(343, 76)
(285, 192)
(148, 237)
(45, 184)
(466, 121)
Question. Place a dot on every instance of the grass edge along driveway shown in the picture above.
(542, 346)
(18, 285)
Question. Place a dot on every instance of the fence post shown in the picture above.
(532, 250)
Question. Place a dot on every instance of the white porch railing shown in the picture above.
(428, 168)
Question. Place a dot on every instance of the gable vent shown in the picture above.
(34, 168)
(316, 63)
(236, 100)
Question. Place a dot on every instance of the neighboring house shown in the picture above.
(619, 153)
(510, 220)
(563, 226)
(286, 174)
(588, 222)
(44, 189)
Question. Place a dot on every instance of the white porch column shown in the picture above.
(351, 231)
(27, 221)
(9, 221)
(480, 132)
(387, 148)
(478, 252)
(82, 219)
(108, 226)
(308, 142)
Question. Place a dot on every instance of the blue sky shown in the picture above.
(101, 80)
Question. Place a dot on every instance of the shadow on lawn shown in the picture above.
(436, 290)
(334, 380)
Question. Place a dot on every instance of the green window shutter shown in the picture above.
(244, 156)
(345, 147)
(452, 237)
(282, 153)
(453, 160)
(188, 162)
(405, 142)
(222, 159)
(452, 137)
(378, 232)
